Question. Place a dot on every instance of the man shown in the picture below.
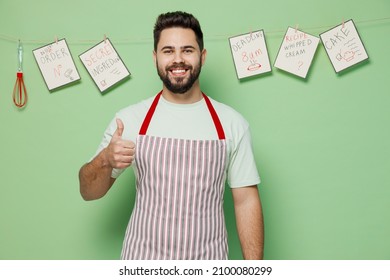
(183, 146)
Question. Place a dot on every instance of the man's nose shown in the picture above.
(178, 57)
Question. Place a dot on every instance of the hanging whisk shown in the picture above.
(20, 92)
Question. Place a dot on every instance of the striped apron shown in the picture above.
(178, 212)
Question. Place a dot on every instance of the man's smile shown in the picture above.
(178, 71)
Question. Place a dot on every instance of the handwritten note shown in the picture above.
(296, 52)
(56, 64)
(250, 54)
(344, 46)
(104, 65)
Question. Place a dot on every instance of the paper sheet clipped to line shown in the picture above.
(104, 65)
(250, 54)
(296, 52)
(56, 64)
(344, 46)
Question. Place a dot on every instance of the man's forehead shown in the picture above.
(177, 36)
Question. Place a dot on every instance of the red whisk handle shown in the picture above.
(20, 93)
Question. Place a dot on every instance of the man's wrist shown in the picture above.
(102, 159)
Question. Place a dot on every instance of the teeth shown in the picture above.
(178, 71)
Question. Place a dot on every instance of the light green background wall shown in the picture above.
(321, 144)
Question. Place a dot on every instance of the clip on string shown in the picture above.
(20, 92)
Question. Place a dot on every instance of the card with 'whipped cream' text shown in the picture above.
(296, 52)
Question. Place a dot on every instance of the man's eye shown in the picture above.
(188, 51)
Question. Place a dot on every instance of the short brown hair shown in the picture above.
(177, 19)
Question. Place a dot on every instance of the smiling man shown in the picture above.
(178, 66)
(183, 147)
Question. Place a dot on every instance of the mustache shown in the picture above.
(178, 65)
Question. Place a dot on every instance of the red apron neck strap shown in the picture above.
(214, 116)
(217, 122)
(149, 115)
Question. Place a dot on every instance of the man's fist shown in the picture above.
(120, 153)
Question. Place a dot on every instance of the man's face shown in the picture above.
(178, 59)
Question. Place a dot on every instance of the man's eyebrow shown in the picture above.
(172, 47)
(167, 48)
(188, 47)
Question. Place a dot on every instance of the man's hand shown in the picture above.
(120, 153)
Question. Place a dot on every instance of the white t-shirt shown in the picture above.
(193, 122)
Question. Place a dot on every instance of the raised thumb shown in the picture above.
(119, 129)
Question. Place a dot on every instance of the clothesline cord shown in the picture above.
(8, 38)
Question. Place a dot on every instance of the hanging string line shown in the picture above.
(8, 38)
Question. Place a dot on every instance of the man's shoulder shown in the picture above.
(227, 113)
(139, 107)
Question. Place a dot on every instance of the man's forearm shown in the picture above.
(249, 220)
(95, 177)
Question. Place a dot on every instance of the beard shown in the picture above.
(179, 85)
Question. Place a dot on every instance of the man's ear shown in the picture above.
(203, 56)
(155, 58)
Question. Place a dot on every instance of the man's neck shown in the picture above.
(191, 96)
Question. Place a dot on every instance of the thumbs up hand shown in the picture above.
(119, 128)
(120, 153)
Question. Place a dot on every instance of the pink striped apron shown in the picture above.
(178, 213)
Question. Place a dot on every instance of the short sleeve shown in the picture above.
(242, 170)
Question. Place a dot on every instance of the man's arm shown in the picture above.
(249, 220)
(95, 176)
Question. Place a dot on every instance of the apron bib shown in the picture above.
(178, 212)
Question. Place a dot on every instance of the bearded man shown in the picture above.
(183, 146)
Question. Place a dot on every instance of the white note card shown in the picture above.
(344, 46)
(250, 54)
(56, 64)
(104, 65)
(296, 52)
